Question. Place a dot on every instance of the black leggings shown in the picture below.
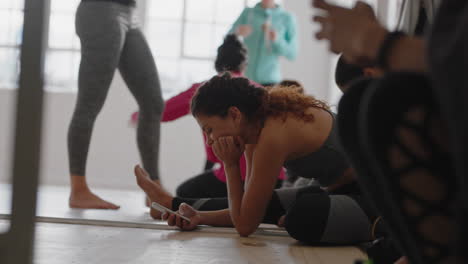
(204, 185)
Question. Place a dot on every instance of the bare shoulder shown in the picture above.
(274, 137)
(294, 136)
(274, 129)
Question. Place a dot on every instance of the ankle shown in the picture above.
(78, 184)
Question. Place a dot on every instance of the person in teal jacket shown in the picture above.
(268, 32)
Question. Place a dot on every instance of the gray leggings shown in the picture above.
(317, 217)
(110, 39)
(312, 215)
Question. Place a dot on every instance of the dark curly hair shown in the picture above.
(290, 84)
(232, 55)
(216, 96)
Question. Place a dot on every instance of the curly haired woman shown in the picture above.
(275, 128)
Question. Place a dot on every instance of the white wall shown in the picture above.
(113, 149)
(312, 66)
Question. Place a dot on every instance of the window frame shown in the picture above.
(184, 21)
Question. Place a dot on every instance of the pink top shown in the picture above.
(179, 106)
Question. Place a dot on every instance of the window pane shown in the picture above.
(227, 11)
(179, 75)
(61, 70)
(169, 75)
(62, 31)
(68, 6)
(197, 70)
(198, 40)
(16, 32)
(164, 38)
(168, 69)
(11, 26)
(9, 67)
(8, 4)
(16, 4)
(5, 4)
(394, 13)
(5, 27)
(219, 34)
(200, 10)
(252, 3)
(351, 3)
(172, 9)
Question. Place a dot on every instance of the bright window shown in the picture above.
(11, 27)
(184, 35)
(394, 13)
(62, 58)
(63, 54)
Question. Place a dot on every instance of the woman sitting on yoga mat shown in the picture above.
(274, 128)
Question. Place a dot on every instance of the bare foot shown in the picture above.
(147, 199)
(85, 199)
(153, 190)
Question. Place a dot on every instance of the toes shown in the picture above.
(108, 205)
(139, 171)
(114, 207)
(155, 214)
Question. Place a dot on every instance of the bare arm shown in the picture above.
(248, 208)
(235, 190)
(216, 218)
(358, 35)
(248, 163)
(407, 54)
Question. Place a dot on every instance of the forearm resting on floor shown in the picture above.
(221, 218)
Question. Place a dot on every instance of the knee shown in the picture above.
(85, 115)
(158, 106)
(187, 190)
(306, 220)
(152, 109)
(182, 191)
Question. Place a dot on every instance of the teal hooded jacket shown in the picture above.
(263, 64)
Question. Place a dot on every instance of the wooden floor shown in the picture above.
(129, 235)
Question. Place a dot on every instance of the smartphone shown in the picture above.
(164, 209)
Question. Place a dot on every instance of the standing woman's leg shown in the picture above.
(101, 29)
(141, 75)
